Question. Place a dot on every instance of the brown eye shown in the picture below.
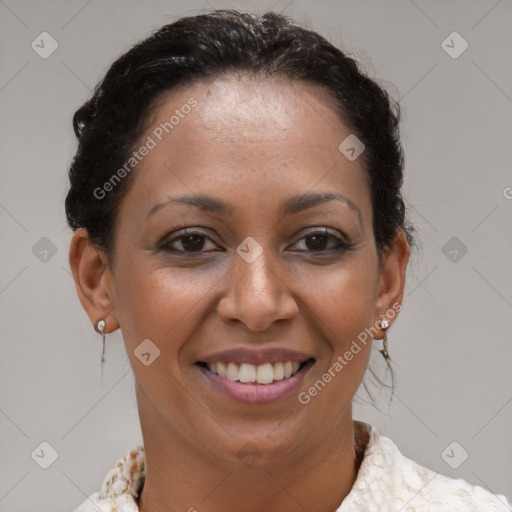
(317, 242)
(192, 242)
(322, 240)
(187, 242)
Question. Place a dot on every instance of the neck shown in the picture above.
(178, 478)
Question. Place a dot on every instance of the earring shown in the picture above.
(384, 325)
(101, 328)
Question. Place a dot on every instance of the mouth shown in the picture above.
(246, 373)
(256, 377)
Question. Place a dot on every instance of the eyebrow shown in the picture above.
(292, 205)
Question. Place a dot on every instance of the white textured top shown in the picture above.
(387, 481)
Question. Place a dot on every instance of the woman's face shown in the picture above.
(225, 252)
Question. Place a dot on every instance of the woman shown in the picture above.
(237, 207)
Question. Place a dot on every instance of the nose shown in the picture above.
(257, 295)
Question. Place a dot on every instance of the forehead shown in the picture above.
(246, 137)
(260, 107)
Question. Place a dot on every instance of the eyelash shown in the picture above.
(341, 244)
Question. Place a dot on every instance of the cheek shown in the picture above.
(343, 305)
(161, 303)
(165, 306)
(343, 297)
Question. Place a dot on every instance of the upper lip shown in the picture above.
(256, 356)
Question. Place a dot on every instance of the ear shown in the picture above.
(93, 280)
(392, 278)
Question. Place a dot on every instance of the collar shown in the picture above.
(386, 481)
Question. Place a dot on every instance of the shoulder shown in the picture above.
(95, 503)
(387, 480)
(120, 487)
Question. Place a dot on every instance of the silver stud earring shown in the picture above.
(101, 328)
(384, 324)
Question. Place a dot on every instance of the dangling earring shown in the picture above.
(384, 325)
(101, 328)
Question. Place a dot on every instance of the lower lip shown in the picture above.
(257, 393)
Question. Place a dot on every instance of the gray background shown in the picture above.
(451, 347)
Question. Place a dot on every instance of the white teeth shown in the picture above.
(247, 373)
(221, 369)
(278, 371)
(265, 374)
(288, 368)
(232, 372)
(262, 374)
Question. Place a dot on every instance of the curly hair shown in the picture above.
(207, 46)
(200, 47)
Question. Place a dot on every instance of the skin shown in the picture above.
(252, 143)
